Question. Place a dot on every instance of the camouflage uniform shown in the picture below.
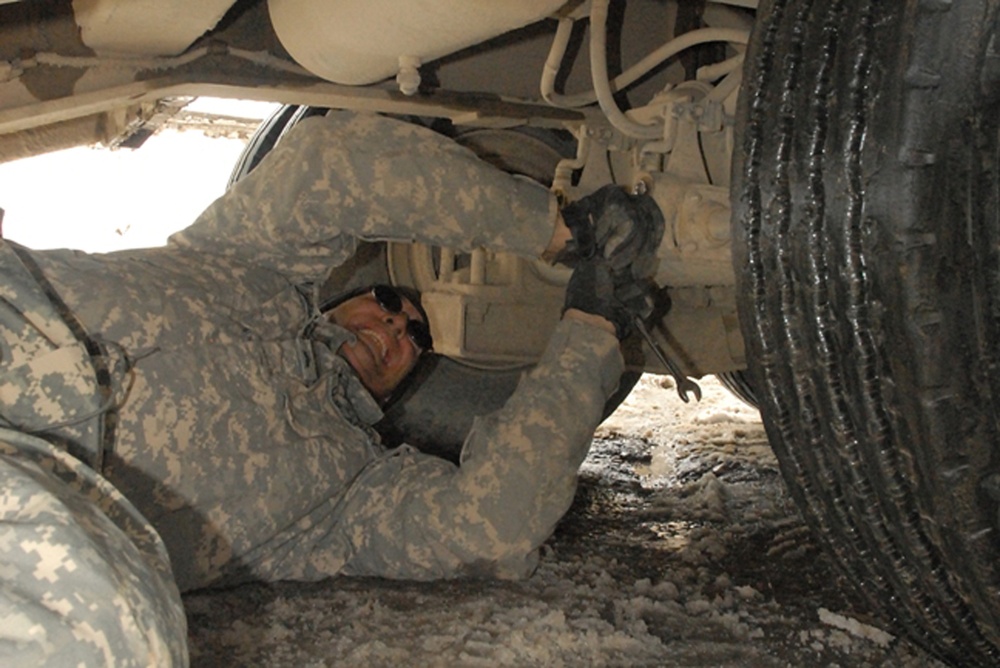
(242, 438)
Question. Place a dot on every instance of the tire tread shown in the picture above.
(830, 406)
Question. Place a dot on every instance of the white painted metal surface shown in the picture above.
(145, 27)
(361, 41)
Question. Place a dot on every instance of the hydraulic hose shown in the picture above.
(604, 89)
(602, 84)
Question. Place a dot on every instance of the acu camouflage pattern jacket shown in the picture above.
(246, 441)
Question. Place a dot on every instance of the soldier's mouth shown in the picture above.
(375, 344)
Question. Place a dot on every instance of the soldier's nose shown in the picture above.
(397, 324)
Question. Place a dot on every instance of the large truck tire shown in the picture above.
(868, 263)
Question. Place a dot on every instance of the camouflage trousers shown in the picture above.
(84, 579)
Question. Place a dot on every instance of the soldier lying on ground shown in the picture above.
(194, 416)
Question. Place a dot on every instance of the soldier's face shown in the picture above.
(383, 353)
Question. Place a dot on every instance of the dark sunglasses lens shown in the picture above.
(388, 298)
(420, 334)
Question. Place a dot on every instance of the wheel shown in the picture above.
(866, 251)
(440, 403)
(738, 383)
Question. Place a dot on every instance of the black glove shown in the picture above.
(615, 237)
(624, 229)
(618, 297)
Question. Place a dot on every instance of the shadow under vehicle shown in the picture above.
(827, 171)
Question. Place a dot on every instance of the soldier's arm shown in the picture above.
(350, 176)
(420, 517)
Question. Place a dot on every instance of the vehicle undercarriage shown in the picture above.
(827, 172)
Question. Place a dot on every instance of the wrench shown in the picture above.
(684, 384)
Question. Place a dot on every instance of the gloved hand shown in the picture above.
(615, 237)
(595, 287)
(624, 229)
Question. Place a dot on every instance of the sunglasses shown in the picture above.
(392, 302)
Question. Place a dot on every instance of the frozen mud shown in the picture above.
(681, 549)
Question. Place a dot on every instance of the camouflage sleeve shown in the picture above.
(351, 176)
(416, 516)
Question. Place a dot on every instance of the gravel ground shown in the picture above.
(681, 549)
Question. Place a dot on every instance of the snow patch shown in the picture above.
(855, 628)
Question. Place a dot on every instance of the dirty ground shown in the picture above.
(681, 549)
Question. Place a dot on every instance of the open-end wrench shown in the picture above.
(684, 384)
